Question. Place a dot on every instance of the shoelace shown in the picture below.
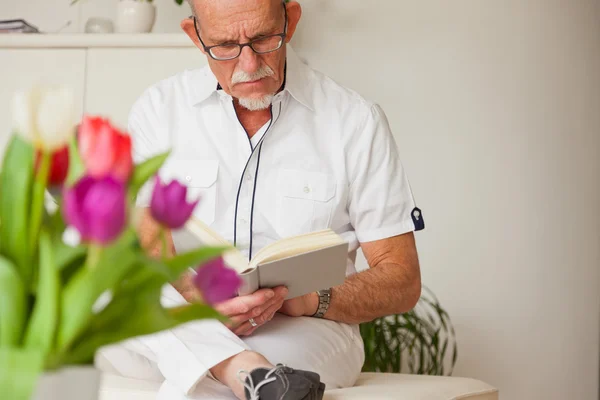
(250, 386)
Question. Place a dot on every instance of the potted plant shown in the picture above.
(421, 341)
(61, 300)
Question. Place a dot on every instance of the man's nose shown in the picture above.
(248, 60)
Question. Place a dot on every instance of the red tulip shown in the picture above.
(59, 165)
(105, 150)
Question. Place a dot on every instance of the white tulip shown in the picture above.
(45, 116)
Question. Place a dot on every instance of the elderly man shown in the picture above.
(274, 149)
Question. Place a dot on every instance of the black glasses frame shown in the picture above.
(241, 46)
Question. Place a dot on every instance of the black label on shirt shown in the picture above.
(417, 217)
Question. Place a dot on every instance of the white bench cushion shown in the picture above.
(369, 387)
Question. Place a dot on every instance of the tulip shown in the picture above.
(168, 205)
(216, 282)
(104, 149)
(44, 116)
(96, 208)
(59, 165)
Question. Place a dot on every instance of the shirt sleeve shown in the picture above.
(149, 135)
(380, 201)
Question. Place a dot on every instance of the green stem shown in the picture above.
(94, 252)
(37, 204)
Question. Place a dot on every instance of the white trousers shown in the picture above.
(181, 358)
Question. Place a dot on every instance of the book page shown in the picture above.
(296, 245)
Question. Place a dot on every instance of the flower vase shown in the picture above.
(72, 383)
(135, 16)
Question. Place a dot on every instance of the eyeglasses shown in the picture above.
(261, 45)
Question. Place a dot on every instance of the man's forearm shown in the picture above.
(383, 290)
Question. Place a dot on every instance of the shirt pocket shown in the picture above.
(200, 177)
(305, 201)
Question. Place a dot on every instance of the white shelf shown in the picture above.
(83, 40)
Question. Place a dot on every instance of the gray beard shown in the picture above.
(257, 104)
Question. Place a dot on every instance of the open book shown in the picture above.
(304, 263)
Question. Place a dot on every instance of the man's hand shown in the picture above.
(260, 305)
(301, 306)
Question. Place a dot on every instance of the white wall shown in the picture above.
(496, 109)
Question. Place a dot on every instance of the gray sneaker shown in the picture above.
(283, 383)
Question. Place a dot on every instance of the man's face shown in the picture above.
(252, 78)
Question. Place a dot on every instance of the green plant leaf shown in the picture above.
(181, 262)
(13, 303)
(420, 340)
(144, 171)
(76, 166)
(19, 372)
(152, 272)
(90, 282)
(137, 319)
(55, 223)
(65, 254)
(41, 331)
(17, 176)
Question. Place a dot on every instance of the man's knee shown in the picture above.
(121, 361)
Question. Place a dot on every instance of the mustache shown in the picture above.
(243, 77)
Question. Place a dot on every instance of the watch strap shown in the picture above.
(324, 302)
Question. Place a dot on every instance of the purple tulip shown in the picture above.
(96, 208)
(169, 206)
(216, 282)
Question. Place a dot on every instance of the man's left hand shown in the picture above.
(301, 306)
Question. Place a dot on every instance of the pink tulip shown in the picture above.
(96, 208)
(104, 149)
(217, 282)
(168, 205)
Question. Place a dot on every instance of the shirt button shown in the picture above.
(188, 178)
(249, 177)
(306, 189)
(243, 221)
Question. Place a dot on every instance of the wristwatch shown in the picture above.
(324, 301)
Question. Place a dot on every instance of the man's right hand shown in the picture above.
(260, 305)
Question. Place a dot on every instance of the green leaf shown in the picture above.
(20, 370)
(65, 254)
(41, 332)
(38, 200)
(76, 166)
(55, 223)
(17, 176)
(195, 258)
(13, 302)
(138, 318)
(90, 282)
(144, 171)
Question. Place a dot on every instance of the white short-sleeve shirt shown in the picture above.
(326, 159)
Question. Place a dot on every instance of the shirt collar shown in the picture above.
(203, 83)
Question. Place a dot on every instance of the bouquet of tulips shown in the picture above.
(51, 315)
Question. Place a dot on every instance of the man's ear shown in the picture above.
(294, 12)
(187, 25)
